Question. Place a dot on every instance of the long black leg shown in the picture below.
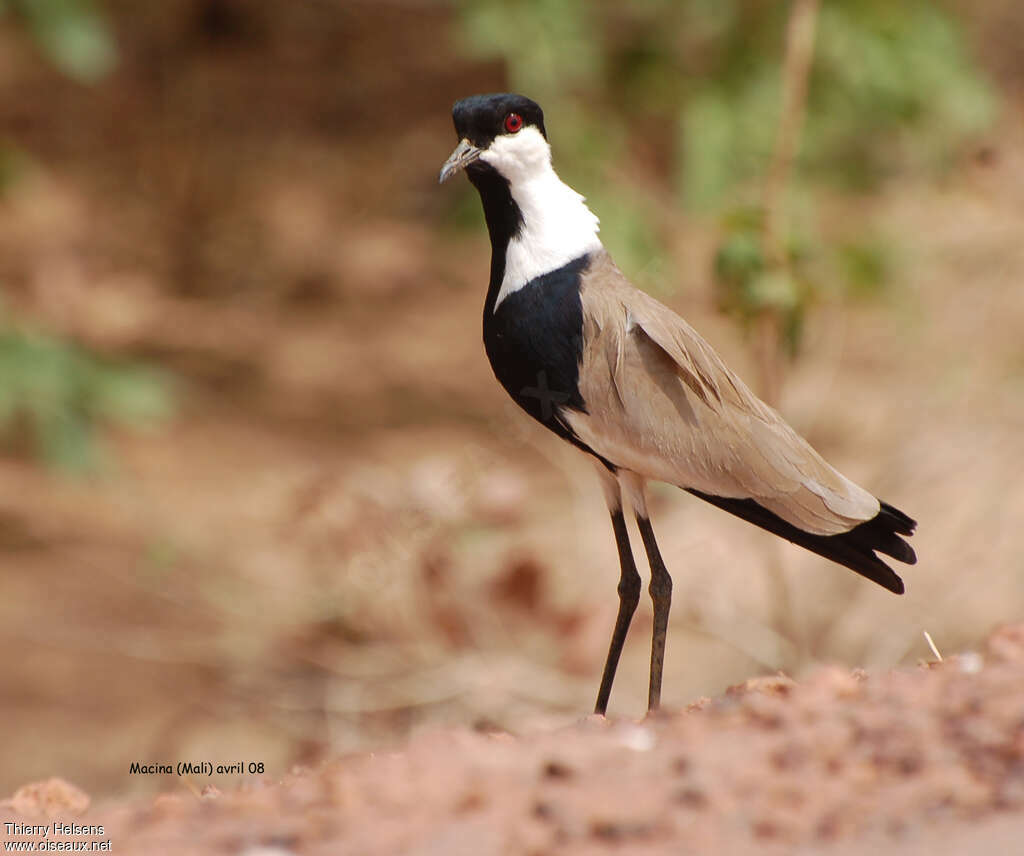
(629, 597)
(661, 594)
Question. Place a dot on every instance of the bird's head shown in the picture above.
(500, 132)
(536, 222)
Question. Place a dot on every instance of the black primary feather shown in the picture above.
(854, 549)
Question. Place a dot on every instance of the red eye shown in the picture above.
(513, 122)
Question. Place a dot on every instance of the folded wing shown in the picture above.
(660, 402)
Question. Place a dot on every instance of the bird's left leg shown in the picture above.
(660, 587)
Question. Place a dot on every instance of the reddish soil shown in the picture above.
(914, 761)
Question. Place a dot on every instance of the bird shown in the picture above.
(626, 380)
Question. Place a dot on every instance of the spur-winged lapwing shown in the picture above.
(622, 377)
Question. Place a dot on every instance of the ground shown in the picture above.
(926, 760)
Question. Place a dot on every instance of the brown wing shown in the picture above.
(660, 402)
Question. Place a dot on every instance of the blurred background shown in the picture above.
(261, 498)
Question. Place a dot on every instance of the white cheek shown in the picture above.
(517, 156)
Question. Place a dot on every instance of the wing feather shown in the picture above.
(660, 402)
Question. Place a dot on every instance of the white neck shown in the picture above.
(557, 225)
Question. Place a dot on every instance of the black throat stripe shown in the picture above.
(504, 219)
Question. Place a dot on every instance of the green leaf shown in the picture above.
(739, 258)
(865, 266)
(708, 132)
(774, 289)
(61, 396)
(73, 35)
(67, 442)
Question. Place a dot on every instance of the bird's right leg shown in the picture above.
(632, 485)
(629, 587)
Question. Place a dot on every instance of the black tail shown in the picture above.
(854, 549)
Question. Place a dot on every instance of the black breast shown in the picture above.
(535, 344)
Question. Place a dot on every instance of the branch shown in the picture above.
(795, 73)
